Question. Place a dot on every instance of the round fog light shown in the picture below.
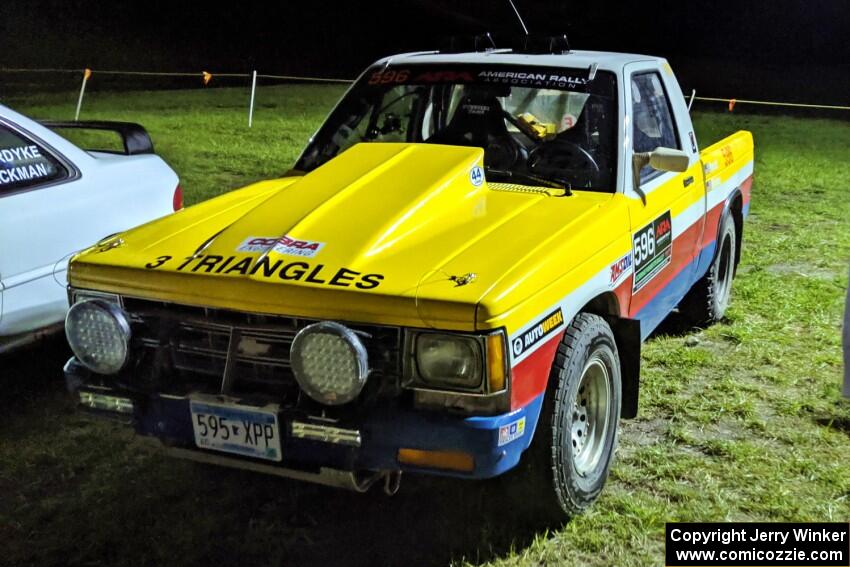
(329, 362)
(99, 334)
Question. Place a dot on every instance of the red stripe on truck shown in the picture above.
(529, 377)
(746, 187)
(684, 252)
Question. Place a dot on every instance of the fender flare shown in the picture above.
(727, 206)
(739, 222)
(627, 336)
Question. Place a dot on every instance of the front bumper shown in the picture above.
(495, 443)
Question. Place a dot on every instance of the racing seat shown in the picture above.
(478, 122)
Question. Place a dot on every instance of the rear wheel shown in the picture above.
(708, 299)
(567, 464)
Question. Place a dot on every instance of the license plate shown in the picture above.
(236, 429)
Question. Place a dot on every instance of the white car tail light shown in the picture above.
(178, 198)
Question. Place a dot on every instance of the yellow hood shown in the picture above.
(383, 233)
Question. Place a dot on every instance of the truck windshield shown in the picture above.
(539, 125)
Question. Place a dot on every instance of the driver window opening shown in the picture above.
(653, 125)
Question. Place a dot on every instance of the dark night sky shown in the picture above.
(793, 50)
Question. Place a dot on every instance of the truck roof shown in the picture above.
(577, 59)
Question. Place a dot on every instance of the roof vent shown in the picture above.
(542, 44)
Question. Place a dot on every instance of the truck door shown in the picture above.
(667, 209)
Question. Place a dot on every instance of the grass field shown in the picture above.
(741, 421)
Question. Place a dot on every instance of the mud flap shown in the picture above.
(627, 335)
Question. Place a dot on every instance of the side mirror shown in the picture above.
(662, 159)
(667, 159)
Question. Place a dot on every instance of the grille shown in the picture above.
(218, 350)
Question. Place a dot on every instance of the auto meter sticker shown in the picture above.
(269, 268)
(653, 250)
(511, 431)
(282, 245)
(621, 269)
(476, 176)
(538, 332)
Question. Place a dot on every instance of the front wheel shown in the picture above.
(568, 462)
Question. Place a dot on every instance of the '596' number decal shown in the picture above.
(653, 249)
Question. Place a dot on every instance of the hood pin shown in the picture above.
(105, 245)
(464, 279)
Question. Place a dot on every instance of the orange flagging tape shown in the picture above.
(733, 101)
(207, 77)
(204, 74)
(296, 78)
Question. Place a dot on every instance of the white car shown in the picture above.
(56, 199)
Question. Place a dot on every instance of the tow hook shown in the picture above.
(392, 482)
(362, 482)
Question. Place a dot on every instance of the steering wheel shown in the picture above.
(562, 154)
(503, 153)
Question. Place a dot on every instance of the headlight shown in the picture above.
(329, 362)
(99, 334)
(449, 360)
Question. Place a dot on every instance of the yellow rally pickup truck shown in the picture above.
(455, 278)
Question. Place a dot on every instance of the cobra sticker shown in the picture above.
(511, 431)
(282, 245)
(542, 329)
(653, 250)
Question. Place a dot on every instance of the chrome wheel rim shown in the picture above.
(724, 270)
(591, 416)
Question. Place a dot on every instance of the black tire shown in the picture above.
(556, 479)
(707, 300)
